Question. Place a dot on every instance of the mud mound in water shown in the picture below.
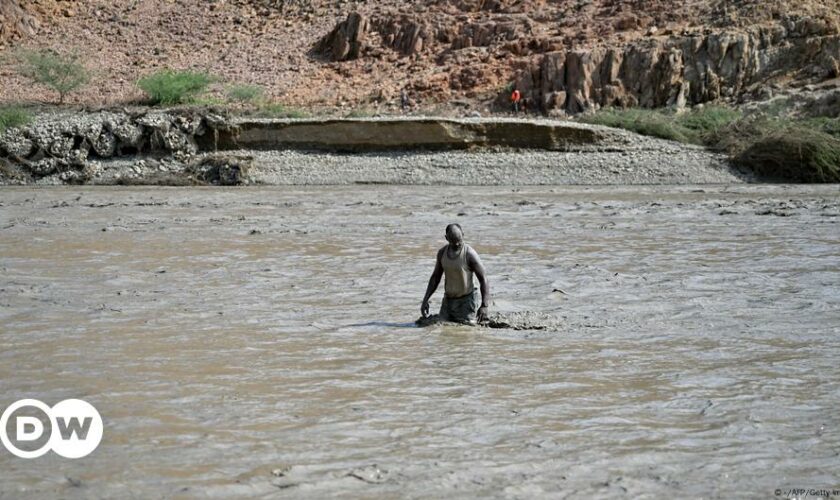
(525, 320)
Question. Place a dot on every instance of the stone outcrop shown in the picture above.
(408, 35)
(347, 40)
(67, 146)
(359, 35)
(486, 33)
(681, 70)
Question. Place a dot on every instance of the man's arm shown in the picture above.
(475, 265)
(434, 281)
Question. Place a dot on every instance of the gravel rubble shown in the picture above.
(668, 164)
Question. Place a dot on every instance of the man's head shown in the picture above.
(455, 236)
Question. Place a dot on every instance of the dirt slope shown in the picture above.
(461, 53)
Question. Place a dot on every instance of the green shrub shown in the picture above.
(830, 126)
(174, 87)
(58, 72)
(781, 148)
(245, 93)
(13, 116)
(793, 153)
(739, 135)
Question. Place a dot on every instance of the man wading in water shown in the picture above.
(458, 261)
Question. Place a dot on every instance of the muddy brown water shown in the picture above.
(259, 342)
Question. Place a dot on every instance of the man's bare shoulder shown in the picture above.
(471, 252)
(473, 260)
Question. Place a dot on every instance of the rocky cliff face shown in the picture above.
(450, 55)
(688, 69)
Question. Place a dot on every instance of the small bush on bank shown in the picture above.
(795, 153)
(169, 87)
(739, 135)
(58, 72)
(245, 93)
(830, 126)
(13, 116)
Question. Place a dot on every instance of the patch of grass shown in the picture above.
(697, 126)
(360, 113)
(62, 73)
(777, 108)
(245, 93)
(276, 110)
(13, 116)
(642, 121)
(704, 124)
(169, 87)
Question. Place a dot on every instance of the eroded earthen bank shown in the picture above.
(188, 147)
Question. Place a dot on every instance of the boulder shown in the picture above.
(176, 141)
(128, 134)
(15, 144)
(221, 170)
(347, 40)
(105, 145)
(44, 167)
(60, 147)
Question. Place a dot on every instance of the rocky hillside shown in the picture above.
(565, 55)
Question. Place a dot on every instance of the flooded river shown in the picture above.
(259, 341)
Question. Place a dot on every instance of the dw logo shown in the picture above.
(30, 428)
